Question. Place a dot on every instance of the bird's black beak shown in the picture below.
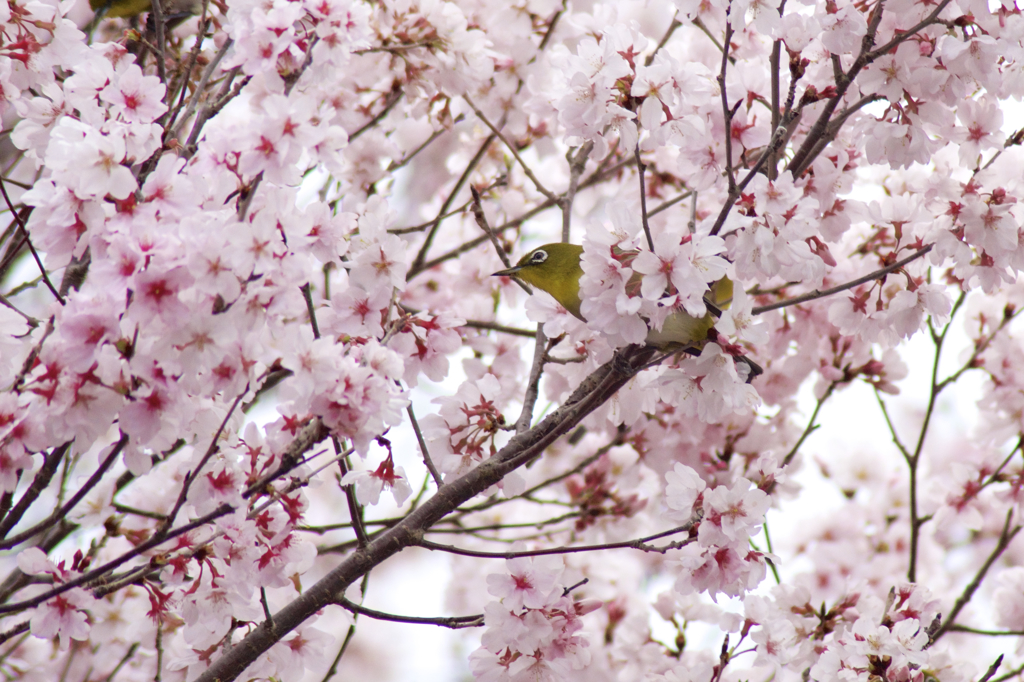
(507, 273)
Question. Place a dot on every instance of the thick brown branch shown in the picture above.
(594, 391)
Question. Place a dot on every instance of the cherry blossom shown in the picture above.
(387, 476)
(529, 583)
(65, 615)
(135, 97)
(682, 489)
(732, 514)
(686, 267)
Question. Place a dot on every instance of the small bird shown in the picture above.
(173, 10)
(556, 269)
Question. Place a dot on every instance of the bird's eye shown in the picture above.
(538, 257)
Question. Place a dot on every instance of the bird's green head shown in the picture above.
(554, 268)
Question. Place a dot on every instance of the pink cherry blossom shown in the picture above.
(528, 583)
(387, 476)
(135, 97)
(732, 514)
(683, 487)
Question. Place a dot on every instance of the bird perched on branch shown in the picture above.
(174, 11)
(556, 269)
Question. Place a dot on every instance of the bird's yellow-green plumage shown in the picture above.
(555, 268)
(130, 8)
(120, 8)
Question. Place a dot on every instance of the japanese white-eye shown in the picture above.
(555, 268)
(174, 11)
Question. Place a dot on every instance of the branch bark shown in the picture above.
(592, 393)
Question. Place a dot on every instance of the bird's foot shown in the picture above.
(621, 363)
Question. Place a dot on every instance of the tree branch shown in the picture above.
(594, 391)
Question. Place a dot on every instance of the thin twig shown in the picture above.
(452, 622)
(726, 110)
(597, 177)
(992, 669)
(491, 326)
(540, 352)
(515, 152)
(402, 162)
(28, 240)
(124, 659)
(168, 119)
(156, 11)
(641, 544)
(540, 486)
(193, 475)
(816, 294)
(913, 461)
(348, 637)
(669, 203)
(175, 132)
(39, 483)
(20, 628)
(421, 255)
(434, 473)
(641, 167)
(101, 571)
(664, 39)
(62, 511)
(812, 426)
(775, 68)
(577, 164)
(1005, 537)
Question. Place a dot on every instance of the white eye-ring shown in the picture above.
(538, 257)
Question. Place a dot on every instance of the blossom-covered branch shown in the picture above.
(251, 351)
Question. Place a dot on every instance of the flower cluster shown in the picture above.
(721, 561)
(533, 629)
